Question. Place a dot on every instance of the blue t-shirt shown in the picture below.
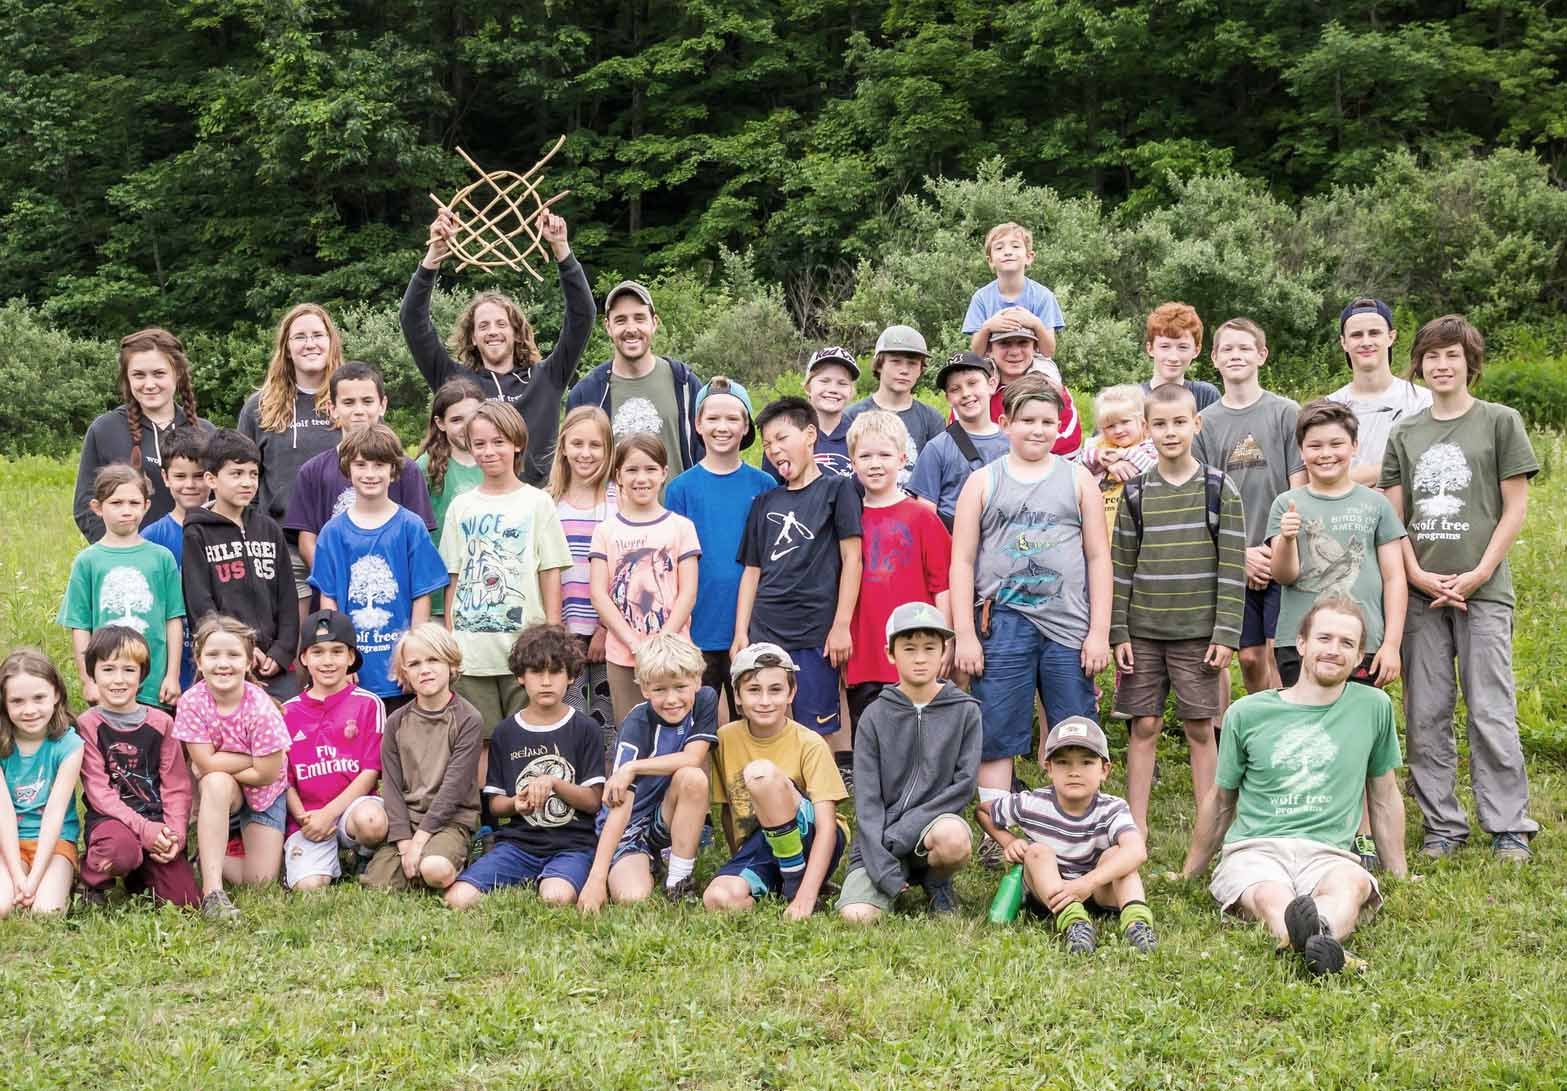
(29, 780)
(644, 735)
(713, 503)
(1036, 298)
(375, 575)
(171, 536)
(942, 468)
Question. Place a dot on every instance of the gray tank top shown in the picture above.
(1031, 550)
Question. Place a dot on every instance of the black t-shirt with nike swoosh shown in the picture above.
(792, 535)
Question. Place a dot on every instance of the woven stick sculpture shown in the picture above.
(485, 238)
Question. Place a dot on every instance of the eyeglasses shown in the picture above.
(306, 338)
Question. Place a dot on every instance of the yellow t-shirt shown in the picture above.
(799, 753)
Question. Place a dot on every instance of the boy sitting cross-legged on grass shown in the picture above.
(656, 798)
(916, 764)
(429, 768)
(1082, 848)
(779, 790)
(546, 773)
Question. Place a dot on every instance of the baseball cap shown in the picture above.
(329, 626)
(963, 361)
(734, 390)
(913, 616)
(1077, 731)
(1365, 306)
(1022, 333)
(832, 354)
(629, 287)
(901, 339)
(762, 654)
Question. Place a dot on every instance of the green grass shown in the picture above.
(1465, 985)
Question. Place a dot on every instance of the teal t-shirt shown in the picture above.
(136, 586)
(458, 480)
(1301, 770)
(1338, 541)
(29, 779)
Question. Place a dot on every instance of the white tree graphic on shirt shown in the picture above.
(1442, 470)
(1308, 752)
(370, 581)
(124, 594)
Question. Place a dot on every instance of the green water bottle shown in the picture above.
(1009, 897)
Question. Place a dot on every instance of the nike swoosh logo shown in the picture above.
(827, 719)
(780, 552)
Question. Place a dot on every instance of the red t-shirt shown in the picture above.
(907, 554)
(1069, 442)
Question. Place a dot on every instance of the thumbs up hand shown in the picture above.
(1289, 523)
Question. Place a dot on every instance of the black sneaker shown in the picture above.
(1302, 922)
(683, 890)
(1081, 938)
(991, 855)
(943, 899)
(89, 898)
(1141, 936)
(1366, 849)
(1323, 955)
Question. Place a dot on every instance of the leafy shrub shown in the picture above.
(1535, 386)
(52, 384)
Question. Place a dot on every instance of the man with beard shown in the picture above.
(1293, 764)
(639, 390)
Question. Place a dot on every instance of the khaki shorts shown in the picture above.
(1163, 665)
(1296, 862)
(858, 888)
(301, 572)
(385, 870)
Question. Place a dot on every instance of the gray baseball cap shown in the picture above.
(629, 287)
(1077, 731)
(833, 354)
(753, 656)
(1022, 333)
(914, 616)
(902, 339)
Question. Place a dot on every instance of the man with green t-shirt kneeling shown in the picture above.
(1293, 764)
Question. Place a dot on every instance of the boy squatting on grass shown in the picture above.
(1082, 849)
(656, 796)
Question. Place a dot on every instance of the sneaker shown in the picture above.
(1438, 847)
(1511, 847)
(943, 899)
(1366, 849)
(847, 773)
(1140, 935)
(218, 906)
(682, 891)
(991, 854)
(1302, 922)
(1323, 955)
(89, 898)
(1081, 938)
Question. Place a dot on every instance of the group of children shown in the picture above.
(541, 673)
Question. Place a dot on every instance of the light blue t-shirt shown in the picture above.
(171, 536)
(1036, 298)
(29, 779)
(717, 505)
(942, 468)
(375, 575)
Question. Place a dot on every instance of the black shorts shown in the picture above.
(715, 675)
(1261, 616)
(861, 695)
(1288, 661)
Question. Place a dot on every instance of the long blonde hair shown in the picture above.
(560, 469)
(279, 387)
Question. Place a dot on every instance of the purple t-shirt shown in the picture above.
(321, 491)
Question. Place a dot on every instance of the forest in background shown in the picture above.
(783, 172)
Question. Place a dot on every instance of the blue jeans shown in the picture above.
(1020, 660)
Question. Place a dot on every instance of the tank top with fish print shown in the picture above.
(1031, 550)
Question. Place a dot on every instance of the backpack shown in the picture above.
(1213, 490)
(965, 444)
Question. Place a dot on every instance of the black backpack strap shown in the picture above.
(965, 444)
(1214, 491)
(1132, 501)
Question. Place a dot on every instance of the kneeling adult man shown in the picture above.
(1293, 764)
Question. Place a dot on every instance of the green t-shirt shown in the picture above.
(648, 404)
(1452, 473)
(1339, 536)
(1301, 770)
(136, 586)
(458, 480)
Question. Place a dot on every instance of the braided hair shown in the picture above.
(436, 444)
(161, 341)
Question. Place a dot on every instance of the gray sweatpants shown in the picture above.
(1482, 641)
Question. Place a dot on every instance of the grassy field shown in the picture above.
(1464, 988)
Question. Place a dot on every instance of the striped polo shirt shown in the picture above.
(1077, 840)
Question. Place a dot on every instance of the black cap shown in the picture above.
(963, 361)
(329, 626)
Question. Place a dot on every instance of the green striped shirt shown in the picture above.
(1176, 584)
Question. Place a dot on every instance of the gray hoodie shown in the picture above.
(283, 453)
(910, 766)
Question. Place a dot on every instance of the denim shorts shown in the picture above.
(274, 816)
(508, 865)
(1020, 661)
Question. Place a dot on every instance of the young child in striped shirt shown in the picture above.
(1178, 562)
